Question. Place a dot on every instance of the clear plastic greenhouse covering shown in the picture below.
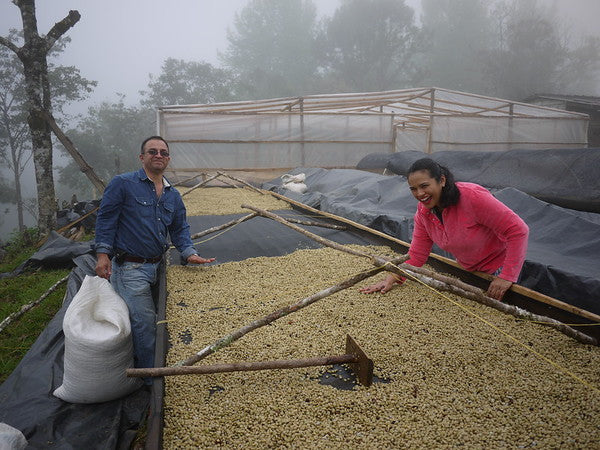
(564, 177)
(564, 244)
(337, 131)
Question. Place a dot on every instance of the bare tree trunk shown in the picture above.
(19, 199)
(33, 55)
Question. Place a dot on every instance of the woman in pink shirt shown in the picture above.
(466, 220)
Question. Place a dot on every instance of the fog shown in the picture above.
(119, 43)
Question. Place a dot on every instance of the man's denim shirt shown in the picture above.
(133, 219)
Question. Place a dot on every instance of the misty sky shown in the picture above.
(120, 42)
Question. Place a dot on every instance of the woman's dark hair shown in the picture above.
(450, 192)
(152, 138)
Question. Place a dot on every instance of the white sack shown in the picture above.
(98, 346)
(11, 438)
(294, 183)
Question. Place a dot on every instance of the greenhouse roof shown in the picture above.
(408, 106)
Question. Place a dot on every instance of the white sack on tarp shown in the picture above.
(11, 438)
(98, 346)
(294, 183)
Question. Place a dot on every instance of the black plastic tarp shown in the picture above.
(562, 258)
(565, 177)
(26, 400)
(27, 403)
(561, 262)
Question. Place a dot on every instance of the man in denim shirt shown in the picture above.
(137, 211)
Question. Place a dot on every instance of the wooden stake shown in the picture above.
(187, 179)
(478, 295)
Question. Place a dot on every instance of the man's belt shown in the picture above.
(139, 259)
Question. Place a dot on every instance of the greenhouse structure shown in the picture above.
(337, 130)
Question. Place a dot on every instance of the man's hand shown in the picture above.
(103, 266)
(383, 286)
(197, 259)
(498, 288)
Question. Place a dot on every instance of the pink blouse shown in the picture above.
(480, 231)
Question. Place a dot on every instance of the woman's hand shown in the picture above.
(384, 285)
(498, 288)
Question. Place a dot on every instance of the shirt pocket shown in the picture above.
(168, 213)
(144, 207)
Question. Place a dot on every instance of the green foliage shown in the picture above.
(271, 48)
(457, 36)
(182, 83)
(19, 247)
(371, 45)
(23, 289)
(108, 138)
(15, 292)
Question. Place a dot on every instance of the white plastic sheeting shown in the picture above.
(339, 130)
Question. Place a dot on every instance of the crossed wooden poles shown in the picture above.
(396, 265)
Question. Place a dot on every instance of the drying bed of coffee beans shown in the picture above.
(449, 371)
(224, 200)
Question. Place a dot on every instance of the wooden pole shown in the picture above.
(355, 357)
(282, 312)
(209, 179)
(187, 179)
(245, 183)
(317, 238)
(444, 282)
(526, 292)
(222, 227)
(473, 293)
(242, 366)
(66, 142)
(12, 317)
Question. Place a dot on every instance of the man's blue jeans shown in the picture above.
(133, 282)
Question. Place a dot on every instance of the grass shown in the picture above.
(17, 338)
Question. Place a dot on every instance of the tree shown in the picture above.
(33, 55)
(532, 53)
(528, 55)
(14, 149)
(271, 49)
(108, 137)
(371, 45)
(182, 82)
(457, 36)
(15, 143)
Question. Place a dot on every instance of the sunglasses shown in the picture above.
(155, 152)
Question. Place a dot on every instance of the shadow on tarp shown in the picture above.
(564, 244)
(27, 403)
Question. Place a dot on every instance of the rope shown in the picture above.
(508, 335)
